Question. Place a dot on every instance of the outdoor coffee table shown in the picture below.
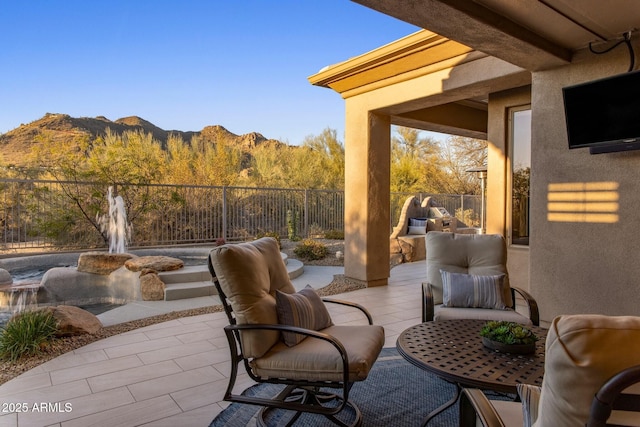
(453, 350)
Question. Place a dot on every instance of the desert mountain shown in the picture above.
(16, 144)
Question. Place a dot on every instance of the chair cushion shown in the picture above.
(249, 274)
(582, 352)
(417, 229)
(304, 309)
(454, 313)
(478, 254)
(316, 359)
(469, 290)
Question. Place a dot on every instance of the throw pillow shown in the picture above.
(468, 290)
(418, 222)
(304, 309)
(530, 397)
(417, 229)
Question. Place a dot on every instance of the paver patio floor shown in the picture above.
(172, 373)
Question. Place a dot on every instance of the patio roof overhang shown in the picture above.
(458, 112)
(534, 35)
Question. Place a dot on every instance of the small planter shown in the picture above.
(509, 348)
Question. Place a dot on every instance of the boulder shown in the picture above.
(102, 263)
(394, 246)
(395, 259)
(73, 320)
(406, 249)
(5, 277)
(151, 287)
(157, 263)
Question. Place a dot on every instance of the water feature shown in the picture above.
(17, 297)
(25, 289)
(114, 223)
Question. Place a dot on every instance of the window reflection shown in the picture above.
(520, 174)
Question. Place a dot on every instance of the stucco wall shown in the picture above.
(581, 267)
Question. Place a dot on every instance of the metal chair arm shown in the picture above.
(534, 314)
(351, 304)
(475, 407)
(427, 303)
(611, 397)
(295, 329)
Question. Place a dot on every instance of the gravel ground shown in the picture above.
(340, 284)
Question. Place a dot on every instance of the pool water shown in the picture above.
(35, 273)
(99, 308)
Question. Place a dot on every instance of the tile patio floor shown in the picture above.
(173, 373)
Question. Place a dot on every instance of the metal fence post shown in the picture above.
(224, 213)
(306, 212)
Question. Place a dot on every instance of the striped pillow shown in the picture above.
(530, 397)
(418, 222)
(304, 309)
(467, 290)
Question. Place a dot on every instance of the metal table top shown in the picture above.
(453, 350)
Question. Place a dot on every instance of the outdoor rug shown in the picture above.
(395, 393)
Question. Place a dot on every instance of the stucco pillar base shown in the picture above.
(369, 283)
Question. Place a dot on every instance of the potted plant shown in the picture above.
(508, 337)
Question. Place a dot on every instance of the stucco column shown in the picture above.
(367, 199)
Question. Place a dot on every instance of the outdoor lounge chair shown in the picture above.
(288, 338)
(467, 278)
(590, 363)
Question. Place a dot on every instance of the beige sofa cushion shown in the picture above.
(249, 275)
(582, 352)
(479, 254)
(315, 359)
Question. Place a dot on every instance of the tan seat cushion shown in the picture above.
(249, 274)
(314, 359)
(454, 313)
(478, 254)
(582, 352)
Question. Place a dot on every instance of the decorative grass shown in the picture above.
(26, 334)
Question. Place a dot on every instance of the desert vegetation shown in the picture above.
(178, 188)
(418, 164)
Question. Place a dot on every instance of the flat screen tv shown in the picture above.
(604, 114)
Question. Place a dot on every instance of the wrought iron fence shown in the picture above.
(40, 214)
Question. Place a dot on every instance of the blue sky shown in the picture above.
(184, 64)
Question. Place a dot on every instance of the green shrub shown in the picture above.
(310, 250)
(334, 235)
(270, 234)
(27, 333)
(293, 218)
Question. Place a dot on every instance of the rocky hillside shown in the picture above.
(17, 143)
